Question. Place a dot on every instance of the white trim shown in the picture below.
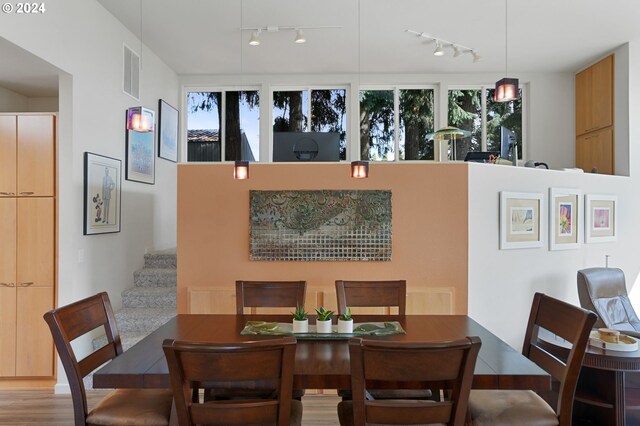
(577, 218)
(62, 389)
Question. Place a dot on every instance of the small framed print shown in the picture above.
(565, 218)
(521, 223)
(601, 218)
(102, 181)
(167, 131)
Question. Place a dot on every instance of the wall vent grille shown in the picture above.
(131, 73)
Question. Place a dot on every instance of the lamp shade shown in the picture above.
(241, 170)
(359, 169)
(140, 119)
(506, 90)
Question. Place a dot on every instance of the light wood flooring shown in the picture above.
(43, 407)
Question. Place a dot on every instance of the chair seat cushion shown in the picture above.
(345, 415)
(133, 407)
(506, 408)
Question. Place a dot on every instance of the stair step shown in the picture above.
(149, 297)
(161, 259)
(155, 277)
(142, 319)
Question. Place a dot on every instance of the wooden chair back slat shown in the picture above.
(449, 364)
(248, 365)
(72, 321)
(371, 294)
(269, 294)
(572, 324)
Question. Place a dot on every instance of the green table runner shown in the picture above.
(265, 328)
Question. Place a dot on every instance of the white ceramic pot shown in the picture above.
(301, 326)
(345, 326)
(323, 326)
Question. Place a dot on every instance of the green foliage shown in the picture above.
(347, 315)
(323, 315)
(299, 314)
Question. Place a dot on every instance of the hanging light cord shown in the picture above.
(506, 38)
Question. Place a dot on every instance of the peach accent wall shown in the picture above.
(429, 219)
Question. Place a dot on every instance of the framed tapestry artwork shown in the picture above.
(102, 182)
(141, 160)
(167, 131)
(565, 218)
(521, 223)
(601, 218)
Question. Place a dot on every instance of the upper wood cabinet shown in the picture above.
(27, 163)
(594, 97)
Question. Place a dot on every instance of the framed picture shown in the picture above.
(167, 131)
(565, 218)
(141, 156)
(521, 224)
(601, 218)
(102, 182)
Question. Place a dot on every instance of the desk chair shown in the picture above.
(269, 294)
(498, 407)
(133, 407)
(355, 294)
(603, 290)
(264, 364)
(448, 365)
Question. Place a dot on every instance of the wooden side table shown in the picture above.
(608, 391)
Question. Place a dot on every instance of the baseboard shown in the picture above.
(61, 388)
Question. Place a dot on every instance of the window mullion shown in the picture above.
(396, 120)
(223, 120)
(483, 103)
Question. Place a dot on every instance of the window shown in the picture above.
(328, 115)
(381, 139)
(206, 114)
(471, 111)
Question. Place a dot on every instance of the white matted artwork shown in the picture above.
(565, 218)
(102, 180)
(521, 223)
(601, 218)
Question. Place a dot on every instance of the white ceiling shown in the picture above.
(204, 37)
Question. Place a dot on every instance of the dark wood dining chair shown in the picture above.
(354, 294)
(135, 407)
(265, 364)
(497, 407)
(446, 365)
(269, 294)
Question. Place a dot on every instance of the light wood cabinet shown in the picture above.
(595, 117)
(27, 163)
(595, 149)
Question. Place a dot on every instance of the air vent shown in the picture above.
(131, 73)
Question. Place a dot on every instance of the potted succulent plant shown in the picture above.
(300, 320)
(323, 322)
(345, 322)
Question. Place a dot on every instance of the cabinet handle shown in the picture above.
(25, 283)
(26, 193)
(8, 284)
(7, 193)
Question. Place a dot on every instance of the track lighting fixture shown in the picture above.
(441, 45)
(299, 39)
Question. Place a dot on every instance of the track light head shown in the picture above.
(438, 51)
(456, 51)
(255, 38)
(476, 57)
(300, 38)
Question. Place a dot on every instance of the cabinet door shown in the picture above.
(34, 344)
(36, 147)
(7, 155)
(583, 101)
(595, 149)
(7, 241)
(35, 241)
(602, 94)
(7, 331)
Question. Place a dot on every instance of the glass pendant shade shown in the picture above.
(241, 170)
(140, 119)
(506, 90)
(359, 169)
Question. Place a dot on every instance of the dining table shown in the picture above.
(321, 363)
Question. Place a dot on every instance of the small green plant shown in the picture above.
(346, 316)
(323, 315)
(299, 314)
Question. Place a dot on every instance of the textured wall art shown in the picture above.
(320, 225)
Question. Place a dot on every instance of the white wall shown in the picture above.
(11, 101)
(85, 42)
(550, 134)
(42, 104)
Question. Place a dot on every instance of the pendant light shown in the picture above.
(506, 88)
